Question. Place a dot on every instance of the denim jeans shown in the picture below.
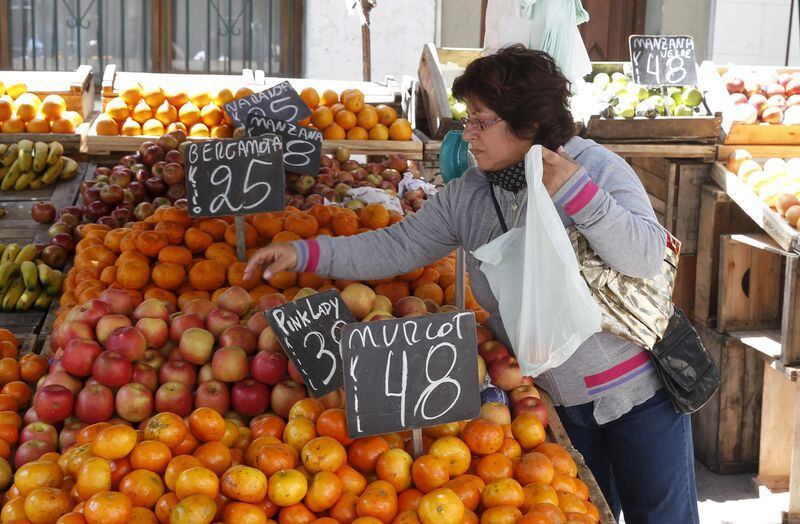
(643, 461)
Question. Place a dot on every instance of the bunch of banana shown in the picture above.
(26, 282)
(34, 165)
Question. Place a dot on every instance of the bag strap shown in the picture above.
(497, 209)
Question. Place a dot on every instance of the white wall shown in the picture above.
(332, 40)
(753, 32)
(461, 23)
(681, 17)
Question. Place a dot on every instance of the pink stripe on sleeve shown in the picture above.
(313, 256)
(582, 198)
(616, 371)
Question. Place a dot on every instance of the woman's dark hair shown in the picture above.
(526, 89)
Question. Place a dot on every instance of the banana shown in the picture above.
(2, 248)
(53, 286)
(43, 302)
(70, 169)
(13, 294)
(44, 273)
(27, 253)
(11, 176)
(37, 183)
(24, 181)
(10, 156)
(10, 254)
(40, 151)
(25, 154)
(30, 275)
(28, 298)
(54, 152)
(3, 148)
(51, 175)
(8, 271)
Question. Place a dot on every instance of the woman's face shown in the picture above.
(496, 146)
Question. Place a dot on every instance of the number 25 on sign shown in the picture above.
(410, 373)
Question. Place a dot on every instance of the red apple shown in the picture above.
(284, 395)
(69, 434)
(793, 87)
(268, 367)
(174, 397)
(196, 346)
(119, 301)
(53, 403)
(229, 364)
(127, 341)
(294, 373)
(219, 320)
(333, 400)
(62, 378)
(153, 358)
(178, 371)
(90, 312)
(483, 334)
(491, 351)
(69, 330)
(213, 394)
(30, 416)
(30, 451)
(151, 308)
(112, 369)
(757, 101)
(505, 373)
(523, 391)
(155, 331)
(772, 115)
(735, 85)
(738, 98)
(257, 323)
(183, 322)
(206, 373)
(236, 300)
(535, 406)
(79, 356)
(39, 431)
(526, 381)
(270, 301)
(145, 375)
(250, 397)
(268, 341)
(200, 307)
(496, 411)
(239, 336)
(108, 324)
(95, 403)
(134, 402)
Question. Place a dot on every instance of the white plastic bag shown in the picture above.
(546, 306)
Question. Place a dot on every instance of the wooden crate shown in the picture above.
(697, 129)
(22, 323)
(683, 294)
(72, 142)
(727, 430)
(76, 87)
(759, 292)
(374, 92)
(719, 215)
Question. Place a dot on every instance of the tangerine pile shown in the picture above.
(302, 469)
(153, 111)
(346, 116)
(176, 259)
(24, 112)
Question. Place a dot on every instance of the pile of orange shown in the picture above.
(154, 111)
(174, 258)
(345, 116)
(304, 469)
(24, 112)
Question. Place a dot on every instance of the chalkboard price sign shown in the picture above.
(234, 177)
(663, 60)
(302, 146)
(410, 373)
(309, 330)
(280, 101)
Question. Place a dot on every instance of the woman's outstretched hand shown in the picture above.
(557, 167)
(275, 258)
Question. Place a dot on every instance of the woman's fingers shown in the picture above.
(276, 258)
(258, 260)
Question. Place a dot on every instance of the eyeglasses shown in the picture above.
(477, 124)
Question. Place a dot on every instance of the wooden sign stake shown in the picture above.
(241, 247)
(366, 48)
(416, 437)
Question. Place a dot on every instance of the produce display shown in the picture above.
(34, 165)
(24, 112)
(153, 111)
(29, 278)
(776, 182)
(617, 96)
(763, 96)
(345, 116)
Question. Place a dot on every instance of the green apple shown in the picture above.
(619, 78)
(601, 80)
(682, 110)
(692, 97)
(624, 110)
(641, 92)
(459, 110)
(658, 103)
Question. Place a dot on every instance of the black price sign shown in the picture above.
(410, 373)
(309, 330)
(280, 101)
(663, 60)
(234, 177)
(302, 146)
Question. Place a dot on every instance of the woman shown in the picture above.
(608, 394)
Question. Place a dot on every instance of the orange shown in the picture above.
(560, 457)
(429, 472)
(130, 127)
(364, 452)
(211, 115)
(108, 507)
(142, 112)
(379, 501)
(505, 514)
(154, 96)
(47, 505)
(570, 503)
(240, 512)
(189, 114)
(94, 476)
(329, 97)
(562, 482)
(367, 117)
(353, 101)
(115, 442)
(176, 466)
(493, 467)
(193, 510)
(197, 481)
(206, 424)
(222, 97)
(528, 430)
(298, 432)
(483, 436)
(166, 113)
(357, 133)
(345, 508)
(15, 125)
(379, 132)
(37, 474)
(441, 506)
(269, 425)
(400, 130)
(222, 131)
(151, 455)
(534, 468)
(322, 454)
(214, 456)
(346, 119)
(167, 428)
(143, 516)
(62, 126)
(199, 97)
(287, 487)
(506, 491)
(131, 94)
(386, 115)
(38, 125)
(394, 466)
(323, 491)
(143, 487)
(352, 480)
(454, 452)
(6, 109)
(153, 127)
(310, 97)
(244, 483)
(536, 494)
(26, 111)
(104, 124)
(200, 130)
(334, 132)
(468, 488)
(322, 117)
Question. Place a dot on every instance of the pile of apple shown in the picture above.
(617, 96)
(339, 173)
(763, 96)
